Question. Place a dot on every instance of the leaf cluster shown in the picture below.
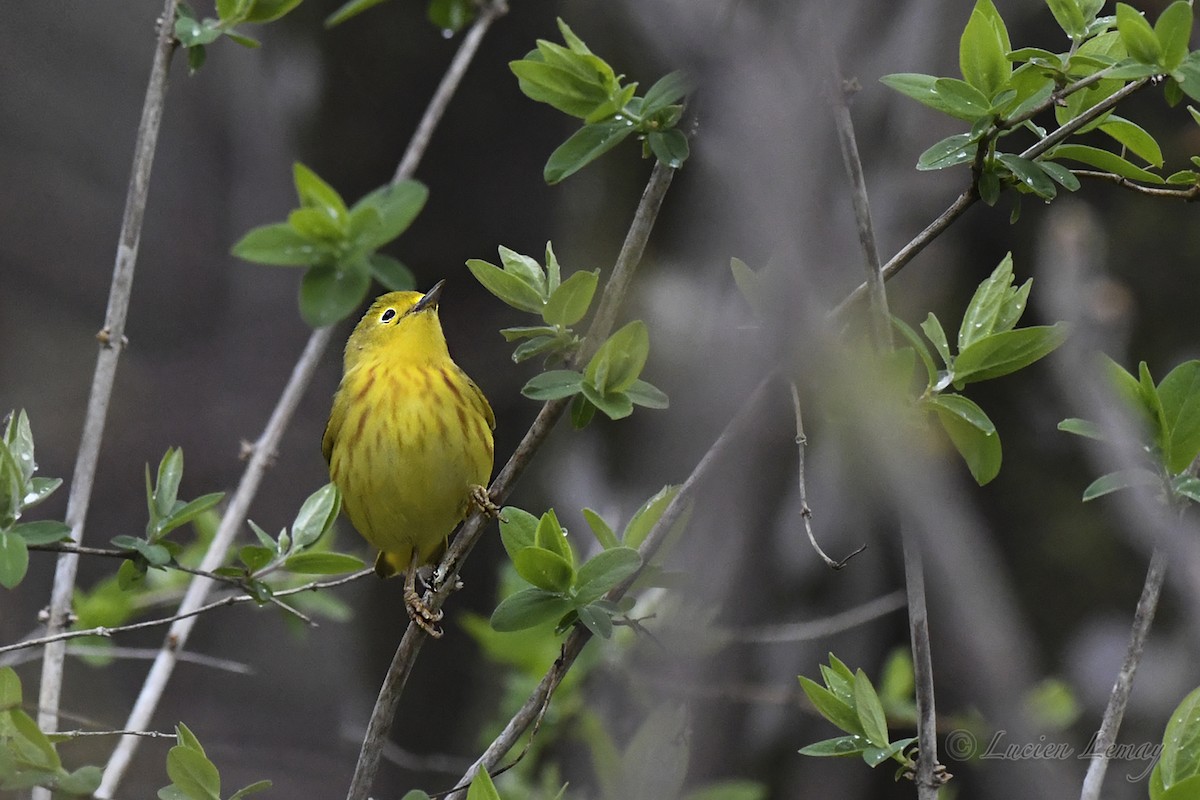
(849, 700)
(20, 491)
(337, 244)
(579, 83)
(1168, 417)
(1002, 91)
(194, 33)
(28, 757)
(193, 776)
(989, 345)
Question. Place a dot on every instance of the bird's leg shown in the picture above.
(483, 501)
(418, 612)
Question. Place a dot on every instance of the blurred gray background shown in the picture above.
(1025, 582)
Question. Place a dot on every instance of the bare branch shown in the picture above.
(112, 338)
(1106, 737)
(821, 628)
(1185, 193)
(930, 774)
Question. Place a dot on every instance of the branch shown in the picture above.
(930, 774)
(540, 698)
(821, 628)
(1187, 194)
(1106, 737)
(446, 576)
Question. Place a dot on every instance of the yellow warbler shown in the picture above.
(409, 439)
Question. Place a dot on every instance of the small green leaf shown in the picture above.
(544, 569)
(1069, 17)
(874, 756)
(350, 9)
(603, 571)
(38, 489)
(644, 519)
(933, 330)
(1137, 35)
(669, 146)
(329, 294)
(518, 529)
(614, 405)
(396, 206)
(980, 450)
(570, 301)
(620, 360)
(832, 708)
(595, 620)
(269, 10)
(1173, 30)
(42, 531)
(1123, 479)
(322, 563)
(507, 286)
(553, 385)
(869, 710)
(482, 787)
(1179, 395)
(278, 245)
(316, 194)
(1061, 175)
(183, 514)
(583, 147)
(647, 395)
(14, 559)
(316, 516)
(1082, 427)
(255, 557)
(1135, 138)
(568, 85)
(166, 489)
(528, 608)
(979, 320)
(963, 408)
(956, 98)
(667, 90)
(983, 49)
(1029, 173)
(193, 773)
(253, 788)
(604, 534)
(551, 536)
(582, 412)
(1179, 758)
(949, 152)
(1006, 352)
(838, 746)
(451, 15)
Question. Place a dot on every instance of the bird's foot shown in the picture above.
(483, 501)
(422, 614)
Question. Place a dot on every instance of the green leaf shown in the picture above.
(482, 787)
(536, 347)
(193, 33)
(979, 449)
(895, 366)
(568, 85)
(1135, 138)
(1180, 757)
(253, 788)
(570, 301)
(833, 709)
(1069, 17)
(322, 563)
(193, 773)
(350, 9)
(316, 516)
(614, 405)
(979, 320)
(603, 571)
(1137, 35)
(620, 360)
(604, 534)
(1173, 30)
(317, 194)
(14, 559)
(396, 205)
(187, 512)
(647, 515)
(838, 746)
(983, 49)
(451, 15)
(954, 97)
(527, 608)
(647, 395)
(949, 152)
(869, 710)
(1061, 175)
(391, 273)
(518, 530)
(11, 487)
(582, 412)
(269, 10)
(255, 557)
(1006, 352)
(19, 437)
(1179, 394)
(166, 489)
(544, 569)
(10, 689)
(38, 489)
(964, 409)
(933, 330)
(508, 287)
(669, 146)
(42, 531)
(583, 147)
(278, 245)
(329, 294)
(551, 536)
(596, 620)
(553, 385)
(1122, 479)
(1029, 173)
(1082, 427)
(39, 752)
(1187, 486)
(874, 756)
(666, 91)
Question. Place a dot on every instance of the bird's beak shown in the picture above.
(430, 300)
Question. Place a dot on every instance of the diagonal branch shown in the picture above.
(112, 338)
(460, 547)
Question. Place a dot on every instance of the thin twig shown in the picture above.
(822, 628)
(806, 512)
(930, 775)
(112, 338)
(580, 635)
(460, 548)
(132, 653)
(105, 552)
(143, 734)
(1185, 193)
(1106, 737)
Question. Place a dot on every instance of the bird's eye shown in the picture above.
(388, 315)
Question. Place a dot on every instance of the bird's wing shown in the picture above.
(481, 403)
(332, 428)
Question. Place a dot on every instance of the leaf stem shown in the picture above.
(112, 337)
